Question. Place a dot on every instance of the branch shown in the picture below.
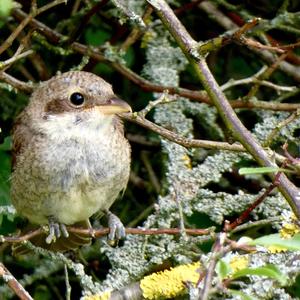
(279, 126)
(266, 55)
(18, 84)
(255, 79)
(188, 45)
(34, 12)
(14, 58)
(95, 233)
(217, 252)
(245, 214)
(186, 142)
(13, 283)
(146, 85)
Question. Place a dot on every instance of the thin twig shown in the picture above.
(219, 17)
(146, 85)
(217, 253)
(245, 215)
(13, 283)
(279, 126)
(255, 44)
(265, 75)
(14, 58)
(34, 12)
(152, 176)
(18, 84)
(186, 142)
(252, 224)
(255, 79)
(163, 99)
(233, 123)
(68, 286)
(136, 32)
(104, 231)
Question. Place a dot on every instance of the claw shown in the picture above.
(56, 230)
(116, 229)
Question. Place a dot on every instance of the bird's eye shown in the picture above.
(77, 99)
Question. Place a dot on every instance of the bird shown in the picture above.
(70, 158)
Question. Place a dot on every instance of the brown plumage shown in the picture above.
(70, 156)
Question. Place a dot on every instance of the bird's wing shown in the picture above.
(22, 135)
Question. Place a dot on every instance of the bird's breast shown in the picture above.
(71, 176)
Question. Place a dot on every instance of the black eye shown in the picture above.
(77, 99)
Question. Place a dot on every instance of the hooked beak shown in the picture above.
(114, 106)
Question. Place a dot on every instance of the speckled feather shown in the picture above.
(68, 162)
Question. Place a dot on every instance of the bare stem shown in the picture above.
(146, 85)
(104, 231)
(14, 284)
(34, 12)
(186, 142)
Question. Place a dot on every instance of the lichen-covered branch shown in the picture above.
(187, 44)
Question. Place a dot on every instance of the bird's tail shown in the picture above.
(62, 244)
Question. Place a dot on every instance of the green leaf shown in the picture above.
(96, 37)
(270, 271)
(223, 269)
(6, 146)
(277, 241)
(242, 295)
(262, 170)
(5, 171)
(5, 7)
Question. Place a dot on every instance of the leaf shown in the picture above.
(5, 7)
(242, 295)
(276, 240)
(270, 271)
(96, 37)
(5, 171)
(262, 170)
(4, 178)
(6, 146)
(223, 269)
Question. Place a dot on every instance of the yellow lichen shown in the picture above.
(288, 230)
(239, 262)
(276, 249)
(170, 283)
(103, 296)
(147, 37)
(187, 161)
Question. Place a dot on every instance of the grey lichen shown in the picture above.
(270, 120)
(187, 176)
(130, 10)
(264, 288)
(45, 268)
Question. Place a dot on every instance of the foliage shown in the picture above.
(170, 185)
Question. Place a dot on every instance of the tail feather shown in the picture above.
(62, 244)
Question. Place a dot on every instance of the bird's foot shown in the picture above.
(116, 229)
(56, 230)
